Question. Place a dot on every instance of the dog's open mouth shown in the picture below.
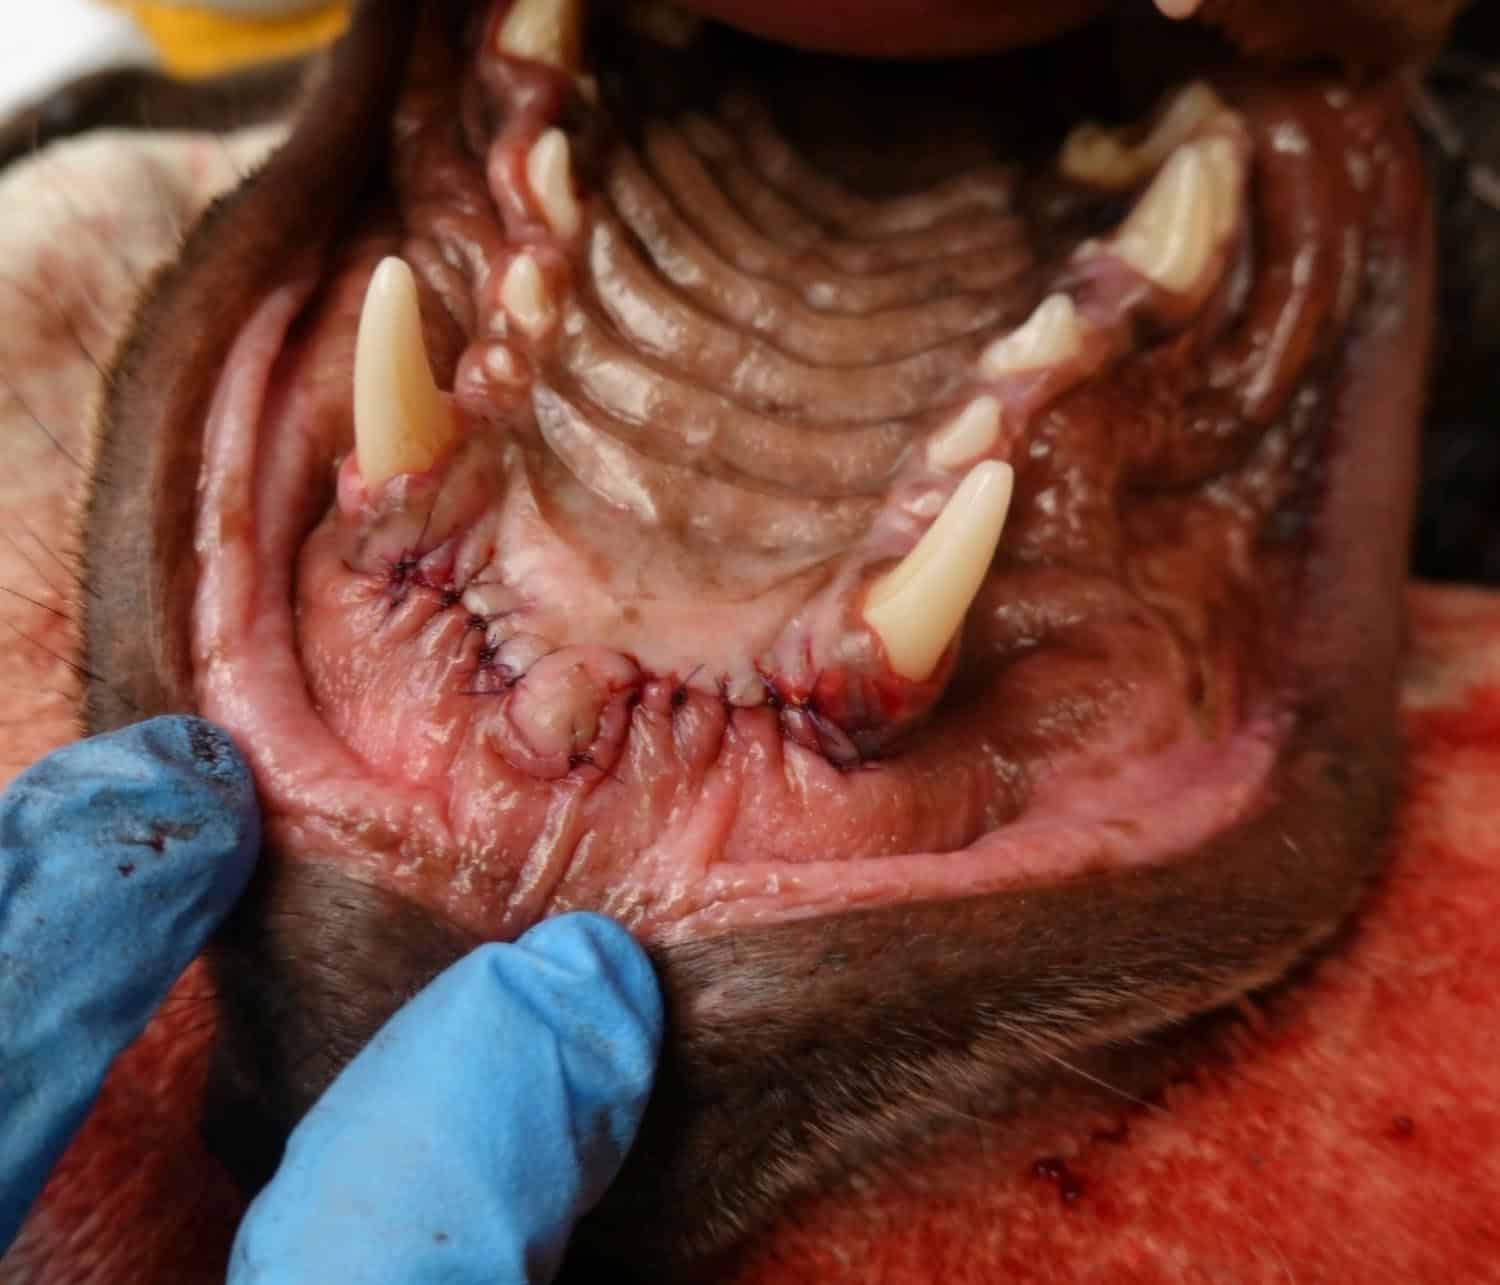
(917, 541)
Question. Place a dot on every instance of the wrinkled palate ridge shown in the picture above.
(718, 493)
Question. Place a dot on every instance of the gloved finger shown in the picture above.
(118, 856)
(486, 1117)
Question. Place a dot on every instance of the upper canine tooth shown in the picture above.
(967, 436)
(401, 422)
(549, 170)
(523, 292)
(549, 31)
(1093, 154)
(1051, 335)
(1178, 225)
(918, 606)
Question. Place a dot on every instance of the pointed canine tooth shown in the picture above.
(549, 170)
(549, 31)
(967, 436)
(917, 607)
(523, 292)
(1179, 8)
(1178, 225)
(1093, 154)
(401, 423)
(1052, 335)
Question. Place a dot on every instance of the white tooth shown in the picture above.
(549, 170)
(1093, 154)
(501, 365)
(401, 423)
(549, 31)
(746, 691)
(968, 435)
(917, 607)
(487, 599)
(1178, 225)
(524, 296)
(1179, 8)
(1051, 335)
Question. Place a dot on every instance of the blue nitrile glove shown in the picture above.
(461, 1145)
(118, 856)
(465, 1141)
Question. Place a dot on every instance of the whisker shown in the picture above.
(31, 562)
(1099, 1082)
(50, 300)
(9, 386)
(37, 603)
(79, 670)
(70, 569)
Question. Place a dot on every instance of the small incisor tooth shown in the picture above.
(523, 293)
(1180, 223)
(549, 170)
(917, 607)
(401, 422)
(549, 31)
(1052, 335)
(967, 436)
(1093, 154)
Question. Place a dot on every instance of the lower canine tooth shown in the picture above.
(918, 606)
(1188, 210)
(401, 423)
(967, 436)
(1051, 335)
(549, 170)
(524, 296)
(1093, 154)
(549, 31)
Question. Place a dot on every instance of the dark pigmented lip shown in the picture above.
(926, 1032)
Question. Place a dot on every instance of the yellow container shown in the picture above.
(206, 39)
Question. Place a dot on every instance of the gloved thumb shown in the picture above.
(119, 855)
(482, 1121)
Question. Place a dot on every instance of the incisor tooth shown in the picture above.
(524, 295)
(549, 170)
(1093, 154)
(1177, 226)
(967, 436)
(549, 31)
(1051, 335)
(401, 422)
(917, 607)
